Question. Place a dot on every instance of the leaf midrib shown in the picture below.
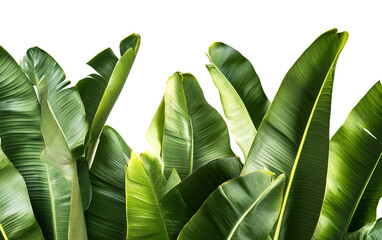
(248, 210)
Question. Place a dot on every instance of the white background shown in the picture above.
(176, 35)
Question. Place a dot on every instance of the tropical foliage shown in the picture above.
(65, 175)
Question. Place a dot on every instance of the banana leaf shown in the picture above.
(100, 92)
(243, 99)
(372, 231)
(354, 169)
(195, 189)
(106, 216)
(293, 137)
(245, 207)
(145, 187)
(22, 142)
(16, 219)
(186, 131)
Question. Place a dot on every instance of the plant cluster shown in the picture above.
(65, 175)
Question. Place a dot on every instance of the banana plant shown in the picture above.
(65, 175)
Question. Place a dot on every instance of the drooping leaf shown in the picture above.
(354, 163)
(84, 181)
(106, 216)
(194, 190)
(100, 92)
(145, 187)
(16, 215)
(186, 131)
(293, 137)
(22, 142)
(242, 96)
(245, 207)
(372, 231)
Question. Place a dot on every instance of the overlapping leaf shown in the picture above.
(145, 187)
(245, 207)
(372, 231)
(186, 131)
(242, 96)
(64, 127)
(354, 163)
(106, 216)
(195, 189)
(293, 137)
(16, 219)
(100, 92)
(22, 142)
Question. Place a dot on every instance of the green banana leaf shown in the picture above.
(195, 189)
(16, 219)
(22, 142)
(37, 63)
(242, 96)
(145, 187)
(372, 231)
(354, 163)
(64, 127)
(106, 216)
(100, 92)
(294, 136)
(245, 207)
(186, 131)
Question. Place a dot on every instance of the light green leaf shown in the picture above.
(372, 231)
(294, 136)
(106, 216)
(354, 163)
(242, 96)
(186, 131)
(16, 219)
(145, 187)
(185, 199)
(22, 142)
(245, 207)
(100, 92)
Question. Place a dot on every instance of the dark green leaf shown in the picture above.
(106, 216)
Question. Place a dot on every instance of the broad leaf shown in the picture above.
(106, 216)
(245, 207)
(145, 187)
(195, 189)
(100, 92)
(242, 96)
(294, 136)
(16, 219)
(354, 163)
(186, 131)
(372, 231)
(64, 128)
(22, 142)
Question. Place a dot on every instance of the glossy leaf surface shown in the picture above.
(106, 216)
(186, 131)
(354, 162)
(242, 96)
(245, 207)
